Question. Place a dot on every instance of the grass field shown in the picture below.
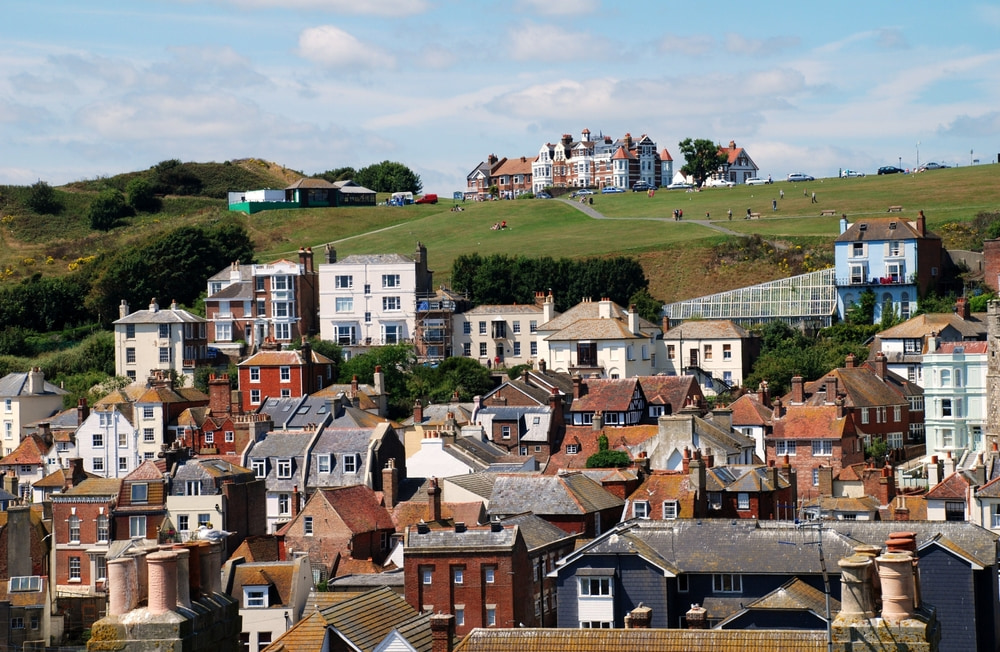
(677, 256)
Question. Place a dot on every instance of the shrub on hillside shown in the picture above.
(107, 209)
(43, 200)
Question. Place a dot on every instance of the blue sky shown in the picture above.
(98, 87)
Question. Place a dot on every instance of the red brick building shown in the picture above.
(481, 574)
(282, 374)
(142, 503)
(82, 532)
(808, 437)
(339, 525)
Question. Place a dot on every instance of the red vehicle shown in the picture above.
(429, 198)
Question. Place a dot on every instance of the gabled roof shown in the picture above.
(161, 316)
(16, 384)
(742, 478)
(278, 576)
(954, 487)
(292, 358)
(512, 166)
(606, 395)
(95, 486)
(536, 531)
(878, 229)
(663, 486)
(31, 450)
(796, 594)
(570, 494)
(941, 323)
(307, 634)
(859, 385)
(376, 259)
(669, 390)
(264, 547)
(358, 507)
(366, 620)
(749, 411)
(309, 182)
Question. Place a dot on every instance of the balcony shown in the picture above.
(854, 281)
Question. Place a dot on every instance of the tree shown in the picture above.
(702, 158)
(647, 307)
(43, 200)
(339, 174)
(863, 311)
(139, 195)
(388, 176)
(106, 209)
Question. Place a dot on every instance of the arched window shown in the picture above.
(946, 378)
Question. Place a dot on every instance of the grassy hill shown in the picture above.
(682, 259)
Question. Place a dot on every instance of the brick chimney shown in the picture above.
(798, 390)
(697, 617)
(579, 387)
(825, 481)
(699, 479)
(330, 254)
(418, 412)
(390, 484)
(962, 308)
(763, 394)
(433, 501)
(880, 365)
(901, 512)
(555, 404)
(849, 361)
(831, 389)
(218, 394)
(686, 461)
(75, 474)
(639, 618)
(442, 632)
(778, 409)
(295, 500)
(82, 411)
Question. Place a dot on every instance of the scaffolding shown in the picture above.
(807, 299)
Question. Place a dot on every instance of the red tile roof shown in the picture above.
(605, 395)
(749, 411)
(954, 487)
(813, 422)
(31, 450)
(359, 508)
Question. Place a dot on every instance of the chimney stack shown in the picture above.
(162, 569)
(962, 308)
(639, 618)
(897, 571)
(123, 309)
(442, 632)
(798, 390)
(82, 411)
(330, 254)
(598, 422)
(433, 501)
(36, 381)
(218, 394)
(418, 412)
(697, 617)
(390, 484)
(831, 389)
(880, 365)
(295, 500)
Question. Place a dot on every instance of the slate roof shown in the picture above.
(878, 229)
(237, 290)
(94, 486)
(479, 538)
(539, 395)
(536, 531)
(480, 484)
(498, 309)
(307, 634)
(297, 412)
(16, 384)
(280, 445)
(742, 478)
(524, 416)
(571, 494)
(161, 316)
(860, 386)
(375, 259)
(264, 547)
(833, 504)
(706, 329)
(582, 321)
(661, 640)
(436, 414)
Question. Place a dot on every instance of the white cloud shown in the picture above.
(559, 7)
(528, 39)
(739, 44)
(687, 45)
(330, 46)
(391, 8)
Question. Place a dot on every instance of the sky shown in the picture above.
(92, 88)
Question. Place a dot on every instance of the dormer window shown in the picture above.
(140, 492)
(259, 467)
(255, 597)
(285, 468)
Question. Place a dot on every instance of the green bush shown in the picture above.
(608, 459)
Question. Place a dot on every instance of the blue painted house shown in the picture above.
(725, 565)
(896, 259)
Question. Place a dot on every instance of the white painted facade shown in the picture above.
(108, 444)
(955, 398)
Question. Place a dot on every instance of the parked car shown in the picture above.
(679, 185)
(429, 198)
(718, 183)
(641, 186)
(931, 166)
(851, 173)
(755, 181)
(584, 191)
(609, 190)
(890, 169)
(542, 195)
(798, 176)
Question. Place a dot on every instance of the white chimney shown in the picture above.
(123, 309)
(604, 308)
(153, 306)
(234, 272)
(36, 381)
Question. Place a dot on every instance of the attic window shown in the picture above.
(572, 449)
(254, 597)
(862, 227)
(26, 583)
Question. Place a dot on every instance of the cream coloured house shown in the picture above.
(25, 398)
(159, 340)
(499, 334)
(718, 353)
(598, 339)
(371, 299)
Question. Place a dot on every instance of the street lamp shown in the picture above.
(918, 153)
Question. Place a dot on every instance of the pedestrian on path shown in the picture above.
(774, 204)
(730, 212)
(814, 199)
